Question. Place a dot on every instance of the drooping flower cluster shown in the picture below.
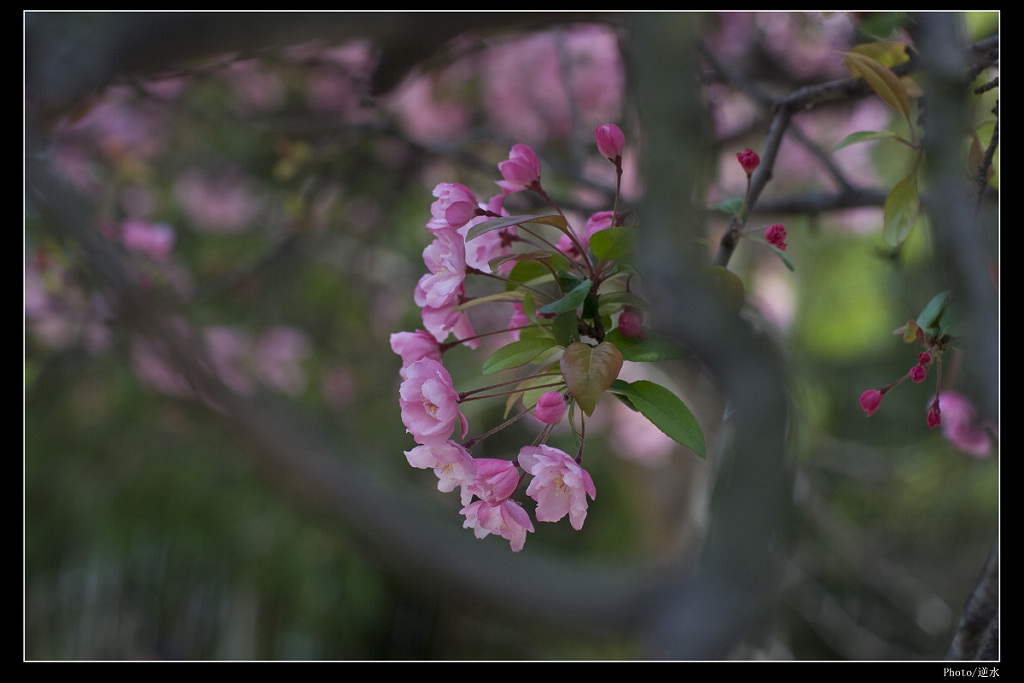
(569, 310)
(930, 329)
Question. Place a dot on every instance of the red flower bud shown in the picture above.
(918, 373)
(870, 400)
(748, 160)
(934, 416)
(776, 236)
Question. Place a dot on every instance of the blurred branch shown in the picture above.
(963, 263)
(739, 570)
(71, 55)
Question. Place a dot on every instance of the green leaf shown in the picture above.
(611, 244)
(729, 206)
(566, 328)
(901, 209)
(518, 353)
(665, 410)
(589, 371)
(570, 302)
(931, 319)
(508, 221)
(867, 136)
(649, 350)
(782, 256)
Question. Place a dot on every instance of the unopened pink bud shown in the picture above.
(918, 373)
(924, 358)
(776, 236)
(870, 400)
(748, 160)
(631, 323)
(610, 141)
(934, 416)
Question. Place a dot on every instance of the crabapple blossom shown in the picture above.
(521, 171)
(152, 239)
(446, 259)
(429, 402)
(960, 427)
(560, 486)
(597, 222)
(507, 519)
(918, 373)
(870, 400)
(550, 407)
(496, 480)
(748, 160)
(445, 321)
(455, 206)
(776, 236)
(412, 346)
(517, 320)
(610, 142)
(453, 465)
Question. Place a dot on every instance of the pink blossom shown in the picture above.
(597, 222)
(517, 320)
(451, 462)
(429, 402)
(455, 206)
(445, 321)
(508, 520)
(567, 246)
(152, 239)
(960, 427)
(748, 160)
(918, 373)
(490, 245)
(610, 142)
(776, 236)
(559, 486)
(520, 171)
(445, 257)
(412, 346)
(550, 407)
(496, 480)
(870, 400)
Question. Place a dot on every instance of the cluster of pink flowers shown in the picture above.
(430, 404)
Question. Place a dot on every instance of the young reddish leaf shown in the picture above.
(589, 371)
